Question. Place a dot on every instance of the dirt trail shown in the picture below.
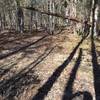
(56, 68)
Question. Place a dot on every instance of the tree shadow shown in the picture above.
(2, 56)
(9, 39)
(96, 70)
(68, 92)
(4, 71)
(32, 50)
(7, 68)
(43, 91)
(69, 87)
(17, 84)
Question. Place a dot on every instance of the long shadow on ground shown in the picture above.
(4, 71)
(6, 38)
(68, 92)
(96, 70)
(6, 68)
(43, 91)
(69, 87)
(20, 49)
(16, 85)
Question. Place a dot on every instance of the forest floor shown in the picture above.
(46, 67)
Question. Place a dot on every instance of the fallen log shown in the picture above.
(52, 14)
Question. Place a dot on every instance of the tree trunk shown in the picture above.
(94, 3)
